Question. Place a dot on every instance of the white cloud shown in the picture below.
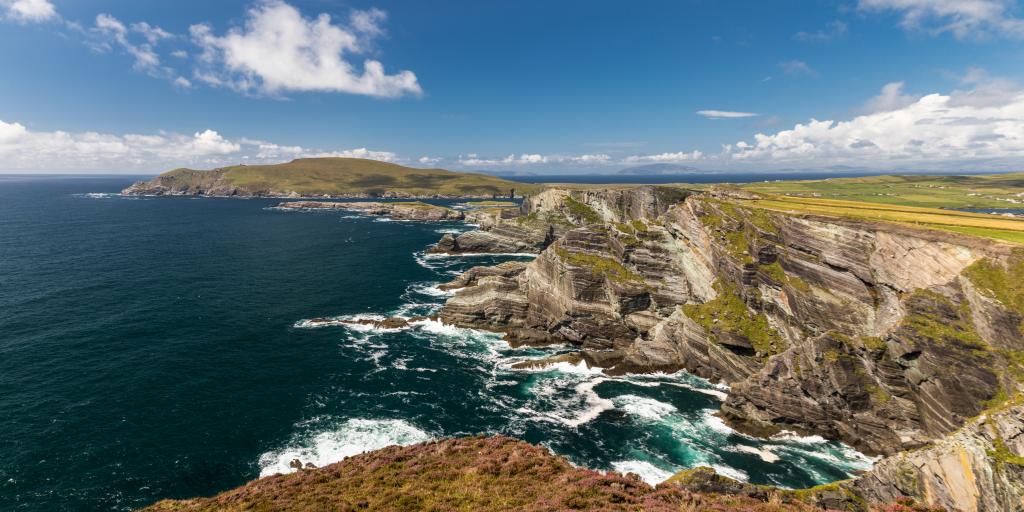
(473, 160)
(109, 30)
(725, 114)
(429, 160)
(279, 50)
(383, 156)
(680, 156)
(834, 30)
(182, 82)
(963, 18)
(797, 68)
(935, 130)
(153, 34)
(26, 11)
(24, 149)
(21, 148)
(891, 98)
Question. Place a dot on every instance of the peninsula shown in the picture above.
(329, 177)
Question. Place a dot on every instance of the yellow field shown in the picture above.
(979, 224)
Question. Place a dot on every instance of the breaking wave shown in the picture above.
(351, 437)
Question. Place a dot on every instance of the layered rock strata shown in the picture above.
(884, 336)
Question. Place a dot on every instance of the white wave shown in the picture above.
(482, 254)
(793, 437)
(731, 472)
(453, 231)
(646, 408)
(764, 452)
(353, 437)
(580, 368)
(715, 423)
(595, 404)
(645, 470)
(349, 322)
(431, 289)
(99, 195)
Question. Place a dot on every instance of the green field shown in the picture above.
(978, 191)
(346, 176)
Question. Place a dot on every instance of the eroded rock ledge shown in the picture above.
(884, 336)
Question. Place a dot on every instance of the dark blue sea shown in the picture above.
(156, 348)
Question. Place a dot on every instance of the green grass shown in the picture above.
(728, 313)
(999, 282)
(581, 211)
(343, 176)
(606, 267)
(975, 191)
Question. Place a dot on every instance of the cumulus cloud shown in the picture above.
(725, 114)
(368, 154)
(21, 148)
(109, 32)
(473, 160)
(834, 30)
(681, 156)
(891, 98)
(936, 130)
(279, 50)
(798, 68)
(962, 18)
(28, 11)
(24, 149)
(429, 160)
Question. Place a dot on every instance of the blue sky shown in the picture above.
(542, 87)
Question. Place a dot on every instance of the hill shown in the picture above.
(331, 177)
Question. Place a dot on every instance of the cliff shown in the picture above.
(886, 336)
(328, 177)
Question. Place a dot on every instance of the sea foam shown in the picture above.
(352, 437)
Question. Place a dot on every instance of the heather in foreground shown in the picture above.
(495, 473)
(476, 473)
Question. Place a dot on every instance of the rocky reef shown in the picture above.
(888, 337)
(417, 211)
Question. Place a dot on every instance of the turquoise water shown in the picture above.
(154, 348)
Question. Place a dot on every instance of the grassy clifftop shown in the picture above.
(971, 191)
(330, 177)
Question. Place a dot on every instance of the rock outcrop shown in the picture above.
(978, 468)
(417, 211)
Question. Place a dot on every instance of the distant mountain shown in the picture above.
(659, 169)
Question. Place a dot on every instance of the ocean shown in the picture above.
(156, 348)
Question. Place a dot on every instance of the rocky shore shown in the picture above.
(890, 338)
(416, 211)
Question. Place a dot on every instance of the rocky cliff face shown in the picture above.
(884, 336)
